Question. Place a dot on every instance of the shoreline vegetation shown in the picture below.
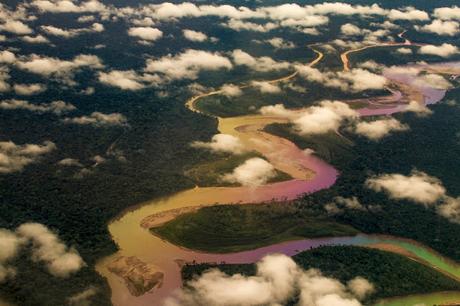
(235, 228)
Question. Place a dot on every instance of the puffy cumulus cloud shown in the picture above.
(68, 33)
(349, 29)
(357, 79)
(432, 80)
(266, 87)
(340, 204)
(145, 33)
(222, 143)
(54, 67)
(70, 162)
(60, 260)
(277, 110)
(440, 27)
(450, 209)
(263, 64)
(13, 157)
(361, 287)
(239, 25)
(447, 13)
(378, 129)
(57, 107)
(360, 79)
(188, 64)
(418, 108)
(444, 50)
(127, 80)
(418, 186)
(404, 51)
(38, 39)
(194, 35)
(83, 298)
(28, 89)
(7, 57)
(253, 172)
(278, 279)
(16, 27)
(69, 6)
(231, 90)
(408, 13)
(10, 245)
(99, 119)
(168, 11)
(280, 43)
(326, 117)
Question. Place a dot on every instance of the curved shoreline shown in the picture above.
(133, 240)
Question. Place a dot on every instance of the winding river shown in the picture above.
(309, 174)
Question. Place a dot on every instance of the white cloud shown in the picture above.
(13, 157)
(68, 33)
(266, 87)
(354, 80)
(194, 35)
(408, 13)
(280, 43)
(326, 117)
(16, 27)
(404, 50)
(83, 298)
(450, 209)
(59, 259)
(378, 129)
(262, 64)
(277, 110)
(54, 67)
(29, 89)
(440, 27)
(447, 13)
(38, 39)
(432, 80)
(145, 33)
(418, 187)
(239, 25)
(444, 50)
(222, 143)
(86, 18)
(253, 172)
(7, 57)
(69, 6)
(349, 29)
(188, 64)
(419, 108)
(57, 107)
(278, 279)
(70, 162)
(127, 80)
(10, 245)
(230, 90)
(99, 119)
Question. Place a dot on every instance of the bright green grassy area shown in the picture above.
(232, 228)
(210, 173)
